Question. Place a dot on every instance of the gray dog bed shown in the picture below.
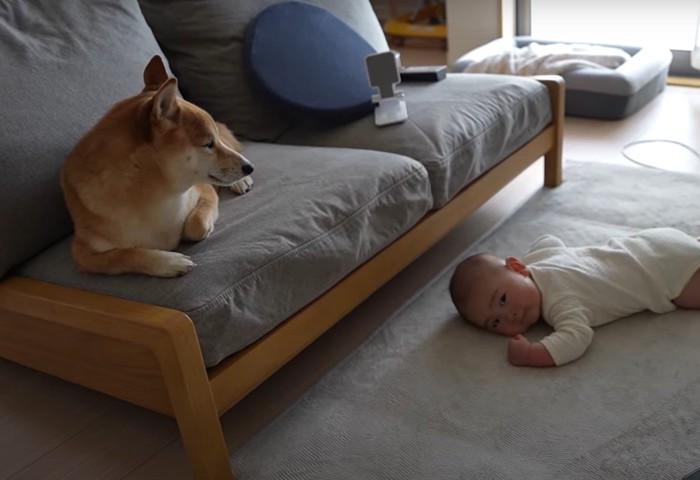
(597, 93)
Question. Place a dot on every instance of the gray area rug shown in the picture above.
(429, 397)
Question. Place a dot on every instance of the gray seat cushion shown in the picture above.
(203, 40)
(457, 128)
(63, 65)
(313, 216)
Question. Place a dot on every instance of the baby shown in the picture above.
(574, 289)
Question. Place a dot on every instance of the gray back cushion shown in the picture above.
(64, 63)
(203, 40)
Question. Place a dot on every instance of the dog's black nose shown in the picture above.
(247, 168)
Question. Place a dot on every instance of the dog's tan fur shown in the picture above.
(142, 179)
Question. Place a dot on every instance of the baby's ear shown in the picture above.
(517, 265)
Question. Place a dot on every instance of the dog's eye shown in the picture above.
(209, 144)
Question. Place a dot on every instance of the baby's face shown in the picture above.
(507, 302)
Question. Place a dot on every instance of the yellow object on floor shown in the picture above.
(428, 21)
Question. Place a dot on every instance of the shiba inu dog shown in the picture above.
(143, 178)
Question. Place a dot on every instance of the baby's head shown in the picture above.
(496, 294)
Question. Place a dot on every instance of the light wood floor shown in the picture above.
(50, 429)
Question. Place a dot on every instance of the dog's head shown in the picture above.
(194, 148)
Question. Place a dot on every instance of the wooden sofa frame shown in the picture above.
(150, 356)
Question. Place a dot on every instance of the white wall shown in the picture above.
(471, 23)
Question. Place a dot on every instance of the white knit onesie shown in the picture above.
(589, 286)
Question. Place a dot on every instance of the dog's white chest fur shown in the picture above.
(156, 226)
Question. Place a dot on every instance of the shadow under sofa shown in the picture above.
(336, 212)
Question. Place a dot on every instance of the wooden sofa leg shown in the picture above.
(555, 84)
(144, 354)
(194, 408)
(203, 439)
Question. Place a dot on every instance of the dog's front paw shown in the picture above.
(173, 264)
(244, 185)
(197, 228)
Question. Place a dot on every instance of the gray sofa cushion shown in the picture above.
(457, 128)
(203, 40)
(313, 216)
(63, 65)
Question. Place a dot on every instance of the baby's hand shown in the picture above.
(518, 347)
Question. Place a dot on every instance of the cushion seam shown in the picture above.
(440, 161)
(219, 297)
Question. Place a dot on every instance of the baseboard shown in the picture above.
(683, 81)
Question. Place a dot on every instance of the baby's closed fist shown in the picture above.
(518, 347)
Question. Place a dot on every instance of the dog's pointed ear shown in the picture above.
(154, 75)
(165, 109)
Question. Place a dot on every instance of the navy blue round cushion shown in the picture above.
(309, 62)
